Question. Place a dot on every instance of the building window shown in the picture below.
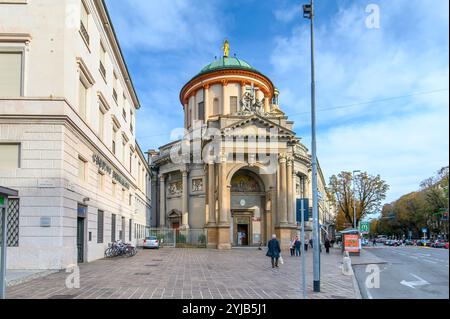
(113, 143)
(10, 74)
(82, 163)
(13, 222)
(216, 110)
(84, 23)
(233, 104)
(10, 156)
(201, 111)
(122, 195)
(130, 228)
(115, 87)
(100, 217)
(130, 198)
(131, 161)
(131, 121)
(113, 227)
(102, 60)
(82, 99)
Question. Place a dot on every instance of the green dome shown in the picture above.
(227, 63)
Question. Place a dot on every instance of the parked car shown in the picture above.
(440, 243)
(151, 242)
(446, 245)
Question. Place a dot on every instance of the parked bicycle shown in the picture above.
(119, 248)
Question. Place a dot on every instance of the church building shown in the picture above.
(239, 167)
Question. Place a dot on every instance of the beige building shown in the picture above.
(67, 134)
(239, 167)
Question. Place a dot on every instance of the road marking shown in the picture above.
(429, 261)
(412, 284)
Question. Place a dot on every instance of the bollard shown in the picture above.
(347, 265)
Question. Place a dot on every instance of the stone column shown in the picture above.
(206, 101)
(211, 194)
(223, 212)
(162, 200)
(212, 225)
(266, 103)
(185, 204)
(282, 195)
(223, 227)
(290, 193)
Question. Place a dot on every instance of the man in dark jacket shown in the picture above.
(327, 245)
(298, 244)
(273, 250)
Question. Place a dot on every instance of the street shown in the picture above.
(409, 273)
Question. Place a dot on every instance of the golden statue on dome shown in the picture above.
(226, 49)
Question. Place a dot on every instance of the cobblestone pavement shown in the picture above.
(194, 274)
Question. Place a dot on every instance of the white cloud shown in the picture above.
(404, 140)
(166, 24)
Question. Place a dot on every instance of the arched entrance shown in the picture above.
(247, 208)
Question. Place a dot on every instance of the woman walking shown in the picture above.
(292, 246)
(273, 250)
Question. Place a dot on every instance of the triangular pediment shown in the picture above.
(256, 125)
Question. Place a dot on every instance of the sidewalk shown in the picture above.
(180, 273)
(15, 277)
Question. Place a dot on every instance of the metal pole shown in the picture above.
(302, 218)
(4, 213)
(316, 249)
(354, 201)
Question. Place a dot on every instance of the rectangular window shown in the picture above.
(113, 227)
(124, 114)
(201, 111)
(115, 87)
(216, 106)
(82, 168)
(233, 104)
(130, 198)
(102, 60)
(10, 156)
(131, 161)
(10, 74)
(113, 143)
(82, 100)
(100, 217)
(130, 227)
(84, 22)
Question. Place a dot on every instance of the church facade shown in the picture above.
(238, 166)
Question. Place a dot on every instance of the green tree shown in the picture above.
(369, 192)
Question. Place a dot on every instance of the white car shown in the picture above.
(151, 242)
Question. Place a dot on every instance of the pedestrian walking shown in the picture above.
(374, 242)
(273, 250)
(327, 245)
(292, 246)
(297, 245)
(332, 243)
(311, 243)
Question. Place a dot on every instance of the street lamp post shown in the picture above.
(354, 199)
(308, 13)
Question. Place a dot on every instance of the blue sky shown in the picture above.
(382, 93)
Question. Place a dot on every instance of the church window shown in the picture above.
(201, 111)
(216, 106)
(233, 104)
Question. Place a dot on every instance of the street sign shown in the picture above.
(305, 209)
(364, 227)
(424, 230)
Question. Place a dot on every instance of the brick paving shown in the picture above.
(174, 273)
